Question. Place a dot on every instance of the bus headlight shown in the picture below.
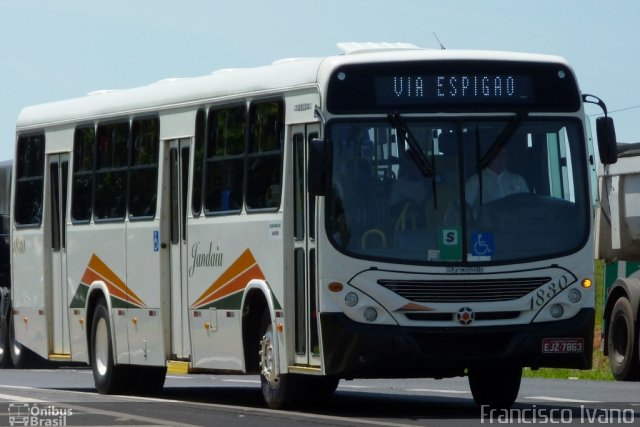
(351, 299)
(370, 314)
(556, 311)
(356, 304)
(574, 295)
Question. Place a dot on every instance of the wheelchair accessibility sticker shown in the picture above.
(482, 244)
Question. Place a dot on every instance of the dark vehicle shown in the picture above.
(5, 265)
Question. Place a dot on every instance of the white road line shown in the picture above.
(435, 390)
(95, 411)
(247, 410)
(561, 399)
(242, 381)
(127, 416)
(19, 387)
(12, 398)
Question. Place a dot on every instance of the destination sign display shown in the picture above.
(452, 86)
(454, 89)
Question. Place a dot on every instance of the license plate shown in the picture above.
(563, 345)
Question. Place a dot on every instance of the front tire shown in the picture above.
(109, 378)
(622, 344)
(278, 390)
(497, 387)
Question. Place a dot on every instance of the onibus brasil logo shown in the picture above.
(32, 414)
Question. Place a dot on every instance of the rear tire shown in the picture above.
(497, 387)
(622, 343)
(109, 378)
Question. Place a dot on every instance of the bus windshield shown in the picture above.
(500, 189)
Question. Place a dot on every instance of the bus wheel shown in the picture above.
(497, 388)
(109, 378)
(278, 391)
(621, 343)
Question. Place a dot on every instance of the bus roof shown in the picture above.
(229, 84)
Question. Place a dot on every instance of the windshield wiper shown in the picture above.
(423, 163)
(501, 141)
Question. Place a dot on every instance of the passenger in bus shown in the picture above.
(497, 182)
(411, 187)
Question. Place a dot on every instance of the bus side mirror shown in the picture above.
(318, 167)
(607, 144)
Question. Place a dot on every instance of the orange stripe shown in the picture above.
(134, 299)
(90, 276)
(414, 307)
(117, 292)
(235, 285)
(101, 268)
(240, 265)
(115, 285)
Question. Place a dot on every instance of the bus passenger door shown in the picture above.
(178, 180)
(306, 320)
(58, 290)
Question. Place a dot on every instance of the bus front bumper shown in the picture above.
(357, 350)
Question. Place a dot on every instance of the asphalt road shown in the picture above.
(67, 397)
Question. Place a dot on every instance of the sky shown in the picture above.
(58, 49)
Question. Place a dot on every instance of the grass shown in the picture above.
(600, 371)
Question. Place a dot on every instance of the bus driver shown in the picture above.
(497, 182)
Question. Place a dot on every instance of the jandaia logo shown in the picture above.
(201, 257)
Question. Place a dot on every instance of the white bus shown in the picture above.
(310, 221)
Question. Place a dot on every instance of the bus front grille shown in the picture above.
(443, 291)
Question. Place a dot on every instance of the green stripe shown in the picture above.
(232, 302)
(80, 298)
(118, 303)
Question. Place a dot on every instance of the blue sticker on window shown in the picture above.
(482, 244)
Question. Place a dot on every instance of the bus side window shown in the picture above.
(264, 157)
(224, 165)
(29, 182)
(83, 143)
(144, 168)
(111, 171)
